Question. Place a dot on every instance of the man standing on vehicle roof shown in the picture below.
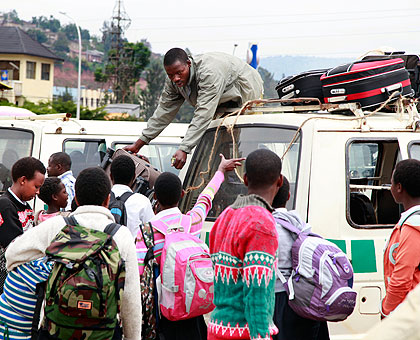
(211, 82)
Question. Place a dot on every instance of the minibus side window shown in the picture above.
(84, 153)
(369, 169)
(14, 144)
(414, 150)
(247, 139)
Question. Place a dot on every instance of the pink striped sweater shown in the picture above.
(170, 217)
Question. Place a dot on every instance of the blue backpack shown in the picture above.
(320, 287)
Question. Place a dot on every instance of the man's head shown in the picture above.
(168, 189)
(263, 172)
(177, 66)
(92, 187)
(123, 170)
(282, 195)
(28, 175)
(58, 164)
(406, 180)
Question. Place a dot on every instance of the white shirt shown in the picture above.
(138, 207)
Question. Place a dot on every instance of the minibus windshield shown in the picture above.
(247, 139)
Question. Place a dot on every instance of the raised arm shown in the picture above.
(204, 202)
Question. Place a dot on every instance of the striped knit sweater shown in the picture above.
(18, 301)
(243, 247)
(171, 217)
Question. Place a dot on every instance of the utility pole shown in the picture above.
(119, 23)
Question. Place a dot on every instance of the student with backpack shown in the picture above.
(129, 209)
(170, 230)
(53, 193)
(95, 283)
(243, 246)
(59, 165)
(402, 253)
(289, 323)
(16, 215)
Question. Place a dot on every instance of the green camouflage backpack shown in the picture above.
(148, 290)
(84, 288)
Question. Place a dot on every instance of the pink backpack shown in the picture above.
(186, 272)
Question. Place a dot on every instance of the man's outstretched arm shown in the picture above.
(169, 103)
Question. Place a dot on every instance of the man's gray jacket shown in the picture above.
(215, 78)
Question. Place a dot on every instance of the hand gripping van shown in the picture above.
(339, 161)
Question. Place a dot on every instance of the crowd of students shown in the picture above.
(247, 245)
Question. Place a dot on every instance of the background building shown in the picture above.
(26, 65)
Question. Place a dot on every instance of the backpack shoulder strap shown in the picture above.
(160, 226)
(288, 226)
(70, 220)
(112, 228)
(147, 234)
(417, 212)
(125, 196)
(40, 294)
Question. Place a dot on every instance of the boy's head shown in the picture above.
(123, 170)
(58, 164)
(92, 187)
(262, 169)
(53, 192)
(406, 180)
(168, 189)
(28, 175)
(282, 195)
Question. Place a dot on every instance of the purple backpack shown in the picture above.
(322, 276)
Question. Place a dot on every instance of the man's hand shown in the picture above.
(178, 159)
(135, 147)
(229, 164)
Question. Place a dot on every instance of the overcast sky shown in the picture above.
(304, 27)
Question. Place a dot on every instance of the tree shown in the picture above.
(14, 17)
(71, 31)
(124, 70)
(269, 83)
(61, 44)
(54, 24)
(155, 76)
(38, 35)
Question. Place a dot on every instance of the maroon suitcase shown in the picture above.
(368, 82)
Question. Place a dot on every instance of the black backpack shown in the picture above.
(117, 207)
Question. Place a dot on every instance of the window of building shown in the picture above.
(91, 101)
(81, 101)
(370, 164)
(45, 71)
(97, 102)
(9, 69)
(30, 70)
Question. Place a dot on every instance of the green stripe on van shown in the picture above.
(363, 256)
(340, 244)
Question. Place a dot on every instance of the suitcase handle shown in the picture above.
(395, 88)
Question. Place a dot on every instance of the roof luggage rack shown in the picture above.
(400, 106)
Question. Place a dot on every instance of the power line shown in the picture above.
(338, 35)
(256, 16)
(272, 23)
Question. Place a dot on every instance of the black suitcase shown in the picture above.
(303, 85)
(368, 82)
(411, 62)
